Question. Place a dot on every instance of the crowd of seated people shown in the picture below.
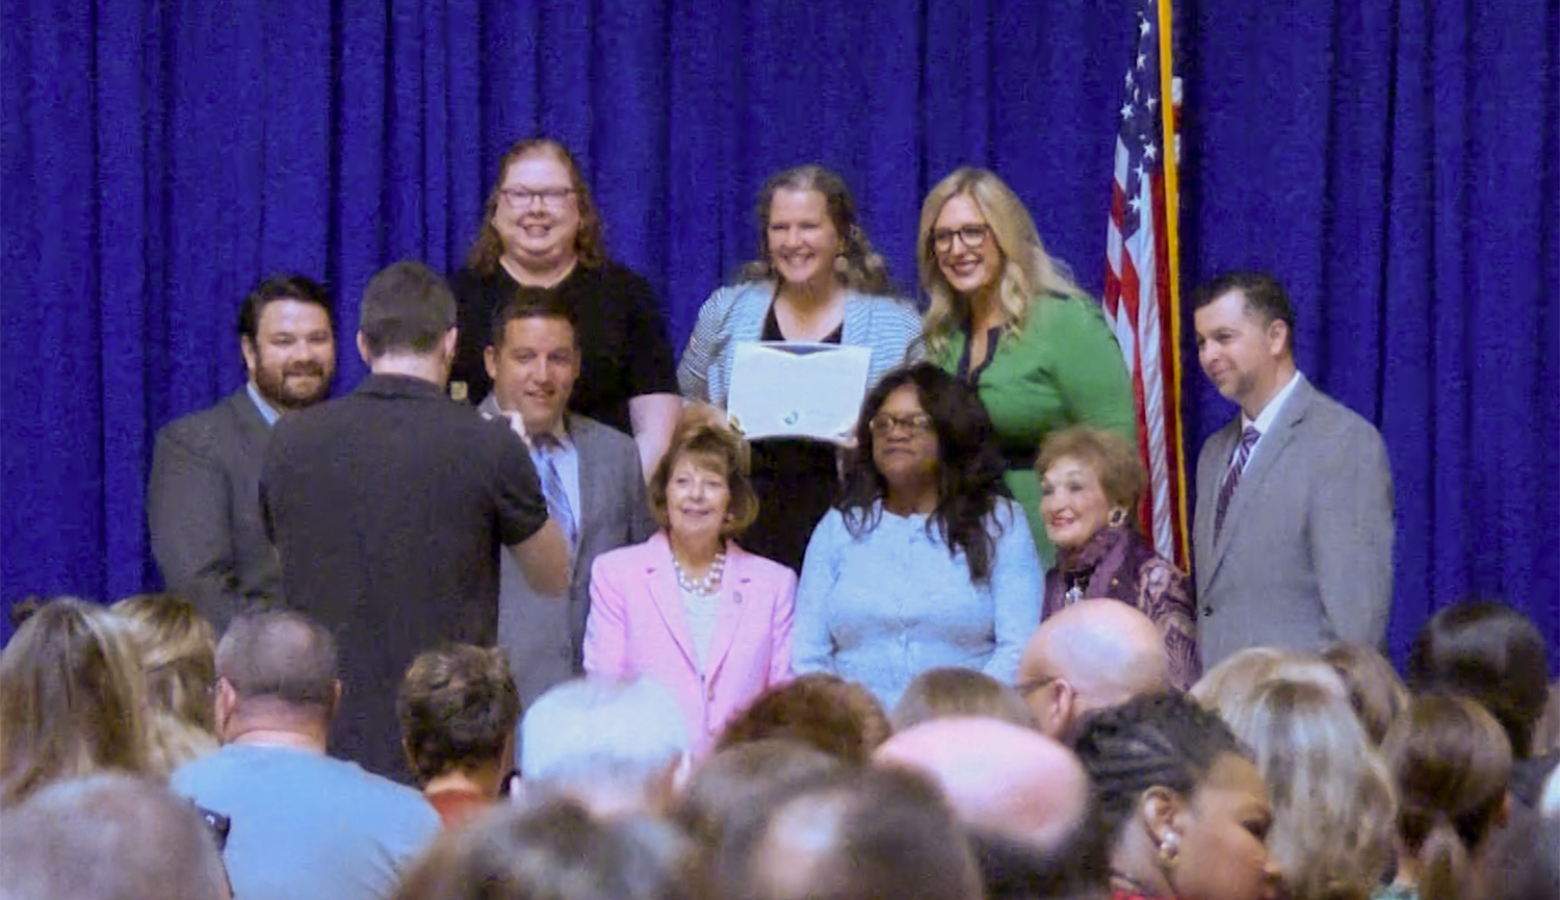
(1267, 780)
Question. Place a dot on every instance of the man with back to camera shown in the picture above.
(203, 498)
(590, 474)
(388, 507)
(1293, 531)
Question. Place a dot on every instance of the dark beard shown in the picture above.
(275, 389)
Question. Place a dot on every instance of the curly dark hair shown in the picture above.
(969, 470)
(458, 706)
(1153, 740)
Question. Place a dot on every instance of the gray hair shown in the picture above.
(108, 837)
(596, 736)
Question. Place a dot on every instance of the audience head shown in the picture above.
(73, 701)
(976, 238)
(534, 358)
(947, 692)
(1375, 690)
(729, 784)
(540, 214)
(863, 835)
(1231, 684)
(1089, 478)
(177, 651)
(702, 489)
(557, 850)
(108, 837)
(1491, 653)
(1245, 335)
(276, 671)
(615, 746)
(1003, 778)
(922, 430)
(839, 717)
(407, 311)
(1333, 797)
(1187, 811)
(1451, 763)
(287, 333)
(809, 235)
(458, 708)
(1088, 656)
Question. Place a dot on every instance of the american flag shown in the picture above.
(1142, 299)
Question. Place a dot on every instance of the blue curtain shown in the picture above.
(1394, 163)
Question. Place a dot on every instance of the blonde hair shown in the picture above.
(72, 701)
(1028, 272)
(1333, 798)
(177, 651)
(1232, 683)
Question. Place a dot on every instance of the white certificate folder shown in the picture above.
(797, 389)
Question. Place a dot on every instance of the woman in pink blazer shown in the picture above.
(689, 608)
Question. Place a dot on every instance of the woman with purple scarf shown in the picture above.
(1090, 481)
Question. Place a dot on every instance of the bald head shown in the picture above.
(1091, 655)
(997, 776)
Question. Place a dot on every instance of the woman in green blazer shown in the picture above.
(1008, 317)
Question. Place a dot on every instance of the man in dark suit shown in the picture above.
(589, 471)
(1293, 533)
(388, 508)
(203, 500)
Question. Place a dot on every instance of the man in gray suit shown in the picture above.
(1293, 533)
(590, 474)
(203, 501)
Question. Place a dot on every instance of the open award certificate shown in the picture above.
(797, 389)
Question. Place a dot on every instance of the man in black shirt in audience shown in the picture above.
(388, 507)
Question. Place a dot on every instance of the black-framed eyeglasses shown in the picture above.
(973, 236)
(520, 198)
(887, 423)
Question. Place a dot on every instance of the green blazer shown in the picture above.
(1062, 368)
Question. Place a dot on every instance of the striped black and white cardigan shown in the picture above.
(733, 315)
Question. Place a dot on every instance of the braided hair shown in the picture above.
(1155, 740)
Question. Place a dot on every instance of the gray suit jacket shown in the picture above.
(203, 509)
(1305, 557)
(545, 636)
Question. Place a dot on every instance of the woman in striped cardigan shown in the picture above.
(817, 279)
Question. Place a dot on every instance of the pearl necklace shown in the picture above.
(701, 587)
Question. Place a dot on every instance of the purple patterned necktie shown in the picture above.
(557, 497)
(1248, 439)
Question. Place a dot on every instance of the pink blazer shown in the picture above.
(636, 626)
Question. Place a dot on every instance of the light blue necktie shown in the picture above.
(552, 489)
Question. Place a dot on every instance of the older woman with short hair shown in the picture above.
(1090, 483)
(925, 562)
(689, 608)
(1008, 318)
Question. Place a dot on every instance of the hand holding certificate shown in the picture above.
(797, 389)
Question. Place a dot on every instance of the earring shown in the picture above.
(1169, 848)
(841, 264)
(1117, 517)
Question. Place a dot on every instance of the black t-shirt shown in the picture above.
(625, 350)
(388, 508)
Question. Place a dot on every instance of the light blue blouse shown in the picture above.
(885, 607)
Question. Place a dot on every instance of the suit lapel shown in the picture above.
(667, 596)
(1270, 449)
(733, 605)
(251, 424)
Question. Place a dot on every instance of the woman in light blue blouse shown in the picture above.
(926, 562)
